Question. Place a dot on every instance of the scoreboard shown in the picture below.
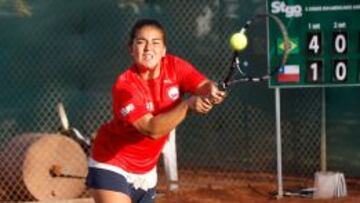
(324, 43)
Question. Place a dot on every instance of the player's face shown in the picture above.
(148, 48)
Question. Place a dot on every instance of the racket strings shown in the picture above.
(236, 61)
(247, 78)
(285, 36)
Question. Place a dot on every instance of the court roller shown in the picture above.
(39, 166)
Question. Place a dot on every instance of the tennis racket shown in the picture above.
(72, 132)
(240, 70)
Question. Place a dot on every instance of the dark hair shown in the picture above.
(142, 23)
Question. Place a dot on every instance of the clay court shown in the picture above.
(239, 194)
(257, 189)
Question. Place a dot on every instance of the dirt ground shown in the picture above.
(200, 188)
(251, 193)
(212, 187)
(243, 194)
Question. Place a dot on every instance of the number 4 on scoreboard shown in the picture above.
(314, 43)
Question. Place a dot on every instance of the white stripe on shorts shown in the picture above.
(144, 181)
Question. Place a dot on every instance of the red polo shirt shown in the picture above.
(118, 142)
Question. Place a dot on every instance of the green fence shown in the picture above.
(71, 51)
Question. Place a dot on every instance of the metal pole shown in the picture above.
(170, 161)
(323, 132)
(278, 143)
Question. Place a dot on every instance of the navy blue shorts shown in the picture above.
(108, 180)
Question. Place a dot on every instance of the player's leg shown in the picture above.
(142, 196)
(108, 196)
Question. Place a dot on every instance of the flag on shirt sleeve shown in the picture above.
(289, 73)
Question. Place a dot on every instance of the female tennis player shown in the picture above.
(147, 105)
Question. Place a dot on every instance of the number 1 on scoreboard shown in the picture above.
(314, 71)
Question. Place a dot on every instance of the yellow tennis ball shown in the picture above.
(238, 41)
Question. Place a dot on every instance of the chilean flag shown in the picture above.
(289, 73)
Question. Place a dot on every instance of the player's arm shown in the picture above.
(194, 82)
(161, 124)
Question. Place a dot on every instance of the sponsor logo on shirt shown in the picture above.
(167, 81)
(150, 106)
(127, 109)
(173, 93)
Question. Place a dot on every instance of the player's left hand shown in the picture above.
(199, 104)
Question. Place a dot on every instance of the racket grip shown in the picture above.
(222, 86)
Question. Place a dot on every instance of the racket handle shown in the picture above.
(222, 86)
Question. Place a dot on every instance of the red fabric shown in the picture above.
(288, 78)
(118, 142)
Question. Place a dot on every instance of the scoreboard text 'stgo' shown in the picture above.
(324, 43)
